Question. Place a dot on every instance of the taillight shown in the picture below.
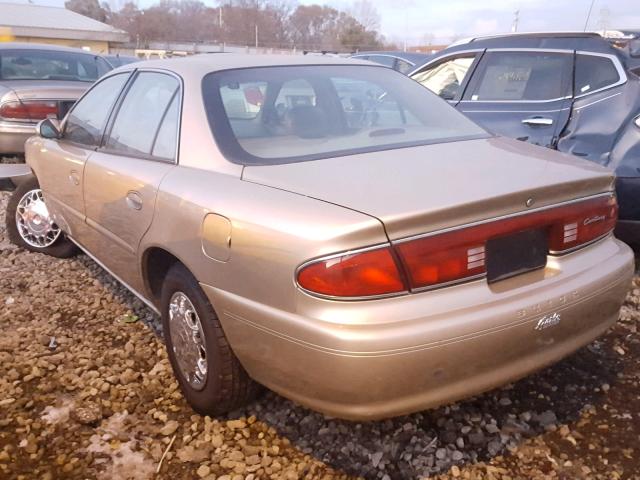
(28, 110)
(582, 223)
(359, 274)
(453, 256)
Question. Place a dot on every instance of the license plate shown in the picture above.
(515, 254)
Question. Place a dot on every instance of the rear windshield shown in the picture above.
(24, 64)
(274, 115)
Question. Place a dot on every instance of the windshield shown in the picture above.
(295, 113)
(24, 64)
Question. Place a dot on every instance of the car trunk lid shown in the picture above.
(418, 190)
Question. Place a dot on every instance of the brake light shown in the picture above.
(453, 256)
(359, 274)
(28, 110)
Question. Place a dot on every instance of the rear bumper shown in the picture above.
(376, 359)
(13, 135)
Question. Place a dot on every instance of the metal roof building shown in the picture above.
(26, 22)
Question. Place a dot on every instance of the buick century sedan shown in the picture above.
(327, 228)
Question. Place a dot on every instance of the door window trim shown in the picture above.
(527, 50)
(179, 95)
(63, 125)
(616, 63)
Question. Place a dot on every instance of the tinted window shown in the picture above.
(523, 76)
(25, 64)
(403, 66)
(313, 112)
(445, 78)
(593, 73)
(85, 124)
(165, 146)
(383, 60)
(142, 110)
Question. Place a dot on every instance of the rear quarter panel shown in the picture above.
(272, 233)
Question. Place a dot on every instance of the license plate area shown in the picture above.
(517, 253)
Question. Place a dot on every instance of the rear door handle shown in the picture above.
(538, 122)
(134, 201)
(74, 177)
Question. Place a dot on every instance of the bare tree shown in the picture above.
(366, 14)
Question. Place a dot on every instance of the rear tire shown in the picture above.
(209, 374)
(39, 234)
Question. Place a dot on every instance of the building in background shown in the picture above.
(22, 22)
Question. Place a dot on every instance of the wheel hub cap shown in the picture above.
(187, 338)
(34, 224)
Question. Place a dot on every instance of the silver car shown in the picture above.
(40, 81)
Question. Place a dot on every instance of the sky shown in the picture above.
(440, 21)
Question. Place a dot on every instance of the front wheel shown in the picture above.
(210, 376)
(30, 226)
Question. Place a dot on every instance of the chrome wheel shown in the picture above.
(35, 226)
(187, 338)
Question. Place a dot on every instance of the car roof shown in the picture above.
(207, 63)
(413, 57)
(41, 46)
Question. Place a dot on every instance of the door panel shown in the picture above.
(60, 173)
(521, 94)
(120, 195)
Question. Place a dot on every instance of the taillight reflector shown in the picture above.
(452, 256)
(28, 110)
(360, 274)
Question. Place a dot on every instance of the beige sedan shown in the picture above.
(327, 228)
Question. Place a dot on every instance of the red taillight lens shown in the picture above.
(360, 274)
(459, 254)
(456, 255)
(582, 223)
(29, 110)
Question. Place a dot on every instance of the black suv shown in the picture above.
(574, 92)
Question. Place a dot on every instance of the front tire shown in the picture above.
(29, 225)
(209, 374)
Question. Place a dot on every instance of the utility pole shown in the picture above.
(516, 20)
(256, 35)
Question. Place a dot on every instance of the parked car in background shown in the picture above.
(40, 81)
(403, 62)
(120, 60)
(573, 92)
(363, 258)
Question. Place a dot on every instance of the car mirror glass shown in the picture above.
(49, 128)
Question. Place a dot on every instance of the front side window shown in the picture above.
(594, 72)
(300, 113)
(143, 109)
(445, 78)
(523, 76)
(27, 64)
(88, 118)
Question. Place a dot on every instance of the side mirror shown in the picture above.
(49, 128)
(634, 47)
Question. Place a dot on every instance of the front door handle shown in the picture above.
(74, 177)
(538, 122)
(134, 201)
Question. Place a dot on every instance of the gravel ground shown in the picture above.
(86, 391)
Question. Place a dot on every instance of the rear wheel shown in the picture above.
(30, 226)
(210, 376)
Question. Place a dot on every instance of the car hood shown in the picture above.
(46, 89)
(422, 189)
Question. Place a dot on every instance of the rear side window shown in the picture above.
(445, 78)
(27, 64)
(143, 109)
(385, 60)
(86, 122)
(594, 73)
(522, 76)
(272, 115)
